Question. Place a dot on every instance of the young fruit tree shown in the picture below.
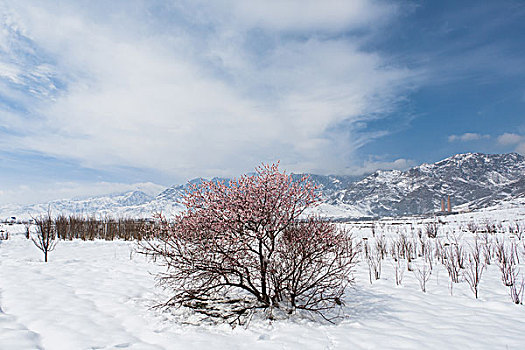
(46, 237)
(248, 244)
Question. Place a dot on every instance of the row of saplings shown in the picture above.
(49, 230)
(91, 228)
(465, 258)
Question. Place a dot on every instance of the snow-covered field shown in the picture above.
(98, 295)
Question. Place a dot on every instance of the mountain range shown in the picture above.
(471, 180)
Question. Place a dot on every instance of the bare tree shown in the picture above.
(399, 270)
(422, 273)
(517, 288)
(439, 251)
(475, 268)
(428, 255)
(457, 246)
(506, 260)
(374, 264)
(405, 247)
(487, 248)
(452, 261)
(46, 237)
(381, 246)
(432, 229)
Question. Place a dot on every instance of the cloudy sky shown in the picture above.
(106, 96)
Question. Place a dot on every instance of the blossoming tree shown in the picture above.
(249, 244)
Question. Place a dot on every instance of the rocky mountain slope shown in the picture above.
(472, 181)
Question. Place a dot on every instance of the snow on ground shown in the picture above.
(98, 295)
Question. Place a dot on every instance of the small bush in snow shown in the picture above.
(374, 265)
(517, 288)
(399, 270)
(422, 273)
(452, 261)
(506, 256)
(475, 268)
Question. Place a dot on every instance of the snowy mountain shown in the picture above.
(330, 184)
(472, 181)
(83, 206)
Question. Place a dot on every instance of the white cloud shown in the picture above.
(307, 15)
(466, 137)
(372, 165)
(198, 100)
(520, 148)
(512, 139)
(509, 139)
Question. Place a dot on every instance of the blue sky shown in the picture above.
(99, 96)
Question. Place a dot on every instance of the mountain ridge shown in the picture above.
(472, 180)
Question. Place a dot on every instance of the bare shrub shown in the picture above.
(487, 248)
(422, 273)
(422, 246)
(428, 255)
(381, 246)
(515, 248)
(505, 255)
(405, 248)
(432, 229)
(241, 246)
(517, 288)
(374, 265)
(457, 245)
(439, 250)
(516, 230)
(399, 270)
(475, 267)
(451, 259)
(395, 249)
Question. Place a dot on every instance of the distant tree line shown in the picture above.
(69, 227)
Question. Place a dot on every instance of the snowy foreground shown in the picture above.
(98, 295)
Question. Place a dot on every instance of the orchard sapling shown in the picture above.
(46, 238)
